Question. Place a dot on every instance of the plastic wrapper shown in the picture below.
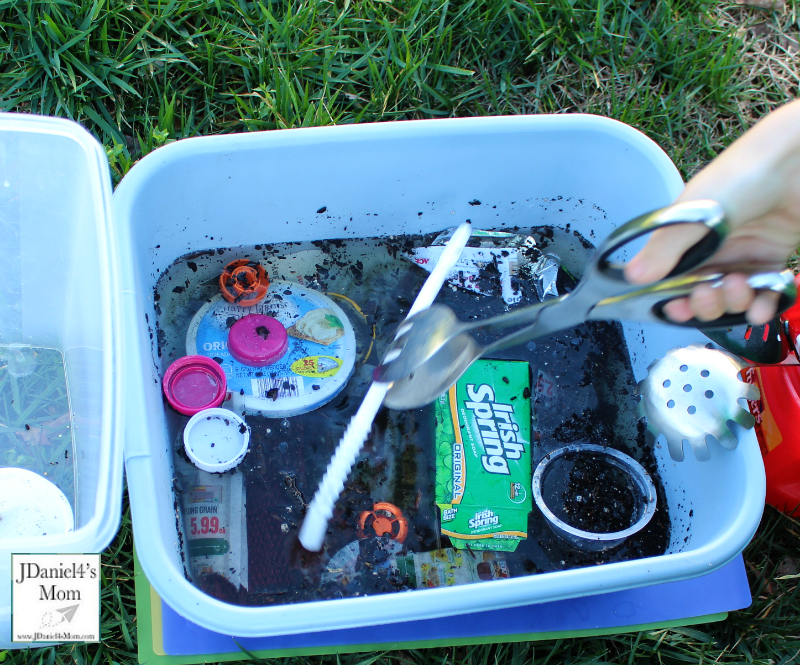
(380, 564)
(214, 526)
(449, 567)
(488, 265)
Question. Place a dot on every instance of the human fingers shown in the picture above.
(662, 252)
(763, 309)
(679, 310)
(737, 293)
(707, 303)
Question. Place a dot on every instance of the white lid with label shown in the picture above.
(316, 366)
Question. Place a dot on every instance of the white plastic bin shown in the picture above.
(272, 184)
(59, 289)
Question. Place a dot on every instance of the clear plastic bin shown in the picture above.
(376, 180)
(59, 290)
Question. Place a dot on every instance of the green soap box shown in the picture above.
(483, 456)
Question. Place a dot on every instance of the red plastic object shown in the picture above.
(257, 340)
(383, 518)
(777, 414)
(244, 282)
(194, 383)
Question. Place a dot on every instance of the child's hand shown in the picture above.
(757, 182)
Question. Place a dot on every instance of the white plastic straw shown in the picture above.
(320, 510)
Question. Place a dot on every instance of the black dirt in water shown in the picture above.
(598, 497)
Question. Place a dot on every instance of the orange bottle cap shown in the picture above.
(244, 282)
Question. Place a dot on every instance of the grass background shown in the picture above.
(691, 74)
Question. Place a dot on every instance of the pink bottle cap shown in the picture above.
(194, 383)
(257, 340)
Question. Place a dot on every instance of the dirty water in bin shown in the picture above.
(35, 427)
(582, 389)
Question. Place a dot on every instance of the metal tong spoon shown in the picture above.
(433, 349)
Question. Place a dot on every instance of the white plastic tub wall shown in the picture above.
(58, 288)
(374, 180)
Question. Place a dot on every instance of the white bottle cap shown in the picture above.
(216, 440)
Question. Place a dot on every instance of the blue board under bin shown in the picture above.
(721, 591)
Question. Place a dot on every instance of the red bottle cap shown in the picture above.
(194, 383)
(244, 282)
(257, 340)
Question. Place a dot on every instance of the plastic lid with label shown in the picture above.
(319, 358)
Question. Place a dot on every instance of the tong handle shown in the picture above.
(781, 283)
(647, 304)
(708, 213)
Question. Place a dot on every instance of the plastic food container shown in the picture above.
(60, 292)
(432, 175)
(639, 484)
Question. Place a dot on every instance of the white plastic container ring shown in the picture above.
(216, 440)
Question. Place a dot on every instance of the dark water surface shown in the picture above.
(582, 390)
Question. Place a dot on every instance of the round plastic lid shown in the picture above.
(216, 440)
(30, 505)
(318, 362)
(194, 383)
(257, 340)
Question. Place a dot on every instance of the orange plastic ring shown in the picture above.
(382, 519)
(244, 282)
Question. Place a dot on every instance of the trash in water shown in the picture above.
(483, 456)
(194, 383)
(316, 365)
(490, 268)
(594, 497)
(585, 375)
(244, 282)
(257, 340)
(449, 567)
(544, 272)
(384, 518)
(215, 528)
(363, 565)
(216, 440)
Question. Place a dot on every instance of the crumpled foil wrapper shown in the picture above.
(544, 272)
